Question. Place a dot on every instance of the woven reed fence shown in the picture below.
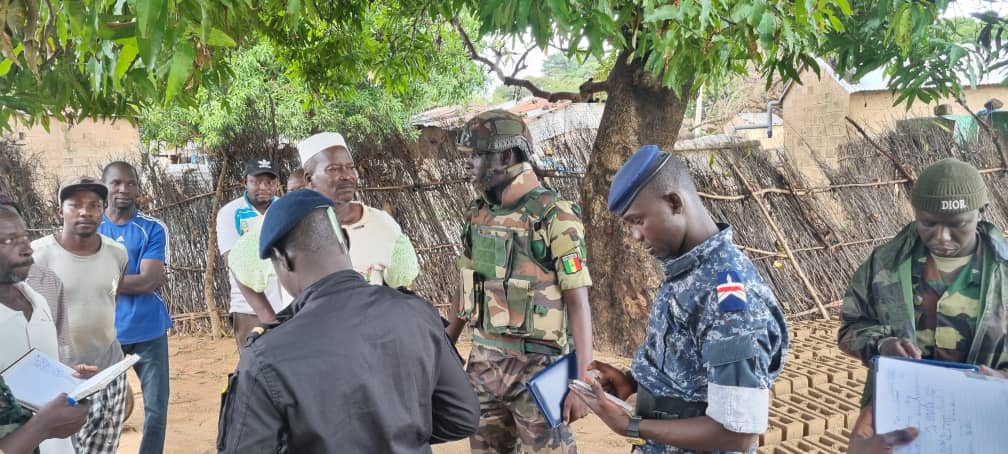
(807, 240)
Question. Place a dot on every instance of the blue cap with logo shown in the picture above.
(285, 213)
(635, 174)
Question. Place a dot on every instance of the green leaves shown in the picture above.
(181, 68)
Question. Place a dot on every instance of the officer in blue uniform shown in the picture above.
(716, 338)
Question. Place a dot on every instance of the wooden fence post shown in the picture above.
(211, 256)
(758, 198)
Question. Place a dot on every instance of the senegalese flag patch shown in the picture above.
(572, 263)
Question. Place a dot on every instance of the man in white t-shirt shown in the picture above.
(249, 308)
(26, 321)
(91, 267)
(377, 249)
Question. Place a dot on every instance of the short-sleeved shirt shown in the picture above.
(697, 350)
(89, 289)
(19, 335)
(49, 285)
(144, 317)
(235, 219)
(255, 273)
(373, 242)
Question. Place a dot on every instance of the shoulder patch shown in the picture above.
(731, 293)
(572, 262)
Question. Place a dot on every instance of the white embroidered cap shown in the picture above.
(313, 145)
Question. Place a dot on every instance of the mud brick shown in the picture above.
(798, 334)
(812, 377)
(825, 407)
(834, 372)
(836, 441)
(790, 427)
(798, 381)
(781, 387)
(772, 436)
(812, 423)
(823, 341)
(840, 400)
(853, 368)
(791, 448)
(854, 386)
(801, 352)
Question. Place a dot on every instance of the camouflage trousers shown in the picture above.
(510, 421)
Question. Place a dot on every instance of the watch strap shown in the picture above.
(633, 431)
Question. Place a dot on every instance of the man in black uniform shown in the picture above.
(347, 367)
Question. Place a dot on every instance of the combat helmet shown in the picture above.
(495, 131)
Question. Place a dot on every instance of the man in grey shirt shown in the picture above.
(91, 267)
(347, 367)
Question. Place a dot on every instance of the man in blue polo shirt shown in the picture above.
(142, 320)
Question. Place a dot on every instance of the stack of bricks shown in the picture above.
(815, 401)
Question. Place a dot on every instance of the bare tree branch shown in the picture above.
(584, 93)
(520, 63)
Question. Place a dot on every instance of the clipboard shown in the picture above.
(36, 378)
(549, 387)
(949, 403)
(930, 362)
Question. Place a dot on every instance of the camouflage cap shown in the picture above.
(496, 131)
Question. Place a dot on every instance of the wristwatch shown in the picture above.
(633, 431)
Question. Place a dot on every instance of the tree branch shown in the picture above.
(520, 63)
(584, 93)
(907, 172)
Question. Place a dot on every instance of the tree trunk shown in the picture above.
(638, 111)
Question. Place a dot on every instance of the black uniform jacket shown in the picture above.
(348, 368)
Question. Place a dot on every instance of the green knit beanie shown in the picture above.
(949, 186)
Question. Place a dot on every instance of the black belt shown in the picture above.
(650, 406)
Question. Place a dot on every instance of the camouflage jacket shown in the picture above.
(879, 302)
(12, 414)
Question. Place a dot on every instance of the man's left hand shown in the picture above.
(574, 409)
(611, 414)
(999, 373)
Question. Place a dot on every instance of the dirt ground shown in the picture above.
(199, 368)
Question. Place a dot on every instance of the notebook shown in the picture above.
(955, 409)
(549, 387)
(37, 378)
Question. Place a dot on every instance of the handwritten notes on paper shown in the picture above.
(956, 411)
(37, 378)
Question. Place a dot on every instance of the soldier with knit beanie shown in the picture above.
(939, 289)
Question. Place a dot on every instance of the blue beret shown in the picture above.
(634, 176)
(285, 213)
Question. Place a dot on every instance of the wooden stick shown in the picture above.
(769, 254)
(211, 255)
(906, 171)
(416, 185)
(782, 240)
(190, 199)
(832, 305)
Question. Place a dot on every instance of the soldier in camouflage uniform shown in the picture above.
(716, 339)
(20, 432)
(939, 289)
(524, 288)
